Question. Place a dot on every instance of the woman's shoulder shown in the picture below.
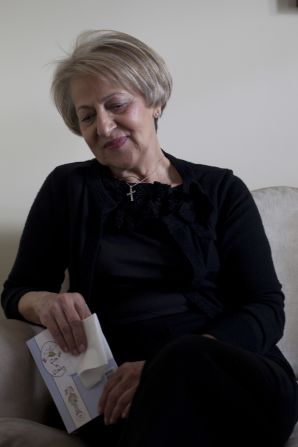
(198, 168)
(77, 167)
(206, 175)
(67, 173)
(66, 179)
(219, 184)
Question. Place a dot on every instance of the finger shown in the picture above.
(57, 335)
(122, 403)
(82, 308)
(48, 317)
(126, 411)
(112, 409)
(78, 327)
(79, 335)
(117, 400)
(70, 303)
(125, 378)
(65, 329)
(113, 379)
(112, 400)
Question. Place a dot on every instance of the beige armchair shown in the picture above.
(27, 415)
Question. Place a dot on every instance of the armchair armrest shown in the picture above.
(22, 390)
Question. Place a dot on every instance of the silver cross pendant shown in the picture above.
(131, 193)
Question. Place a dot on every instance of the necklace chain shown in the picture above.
(133, 185)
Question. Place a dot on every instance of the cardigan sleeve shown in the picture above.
(254, 303)
(41, 259)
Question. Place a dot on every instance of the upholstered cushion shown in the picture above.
(293, 441)
(22, 389)
(279, 211)
(15, 432)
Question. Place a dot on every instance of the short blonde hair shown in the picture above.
(113, 57)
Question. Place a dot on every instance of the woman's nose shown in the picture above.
(104, 124)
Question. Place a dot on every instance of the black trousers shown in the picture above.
(198, 392)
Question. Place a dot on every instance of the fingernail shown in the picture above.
(65, 349)
(82, 348)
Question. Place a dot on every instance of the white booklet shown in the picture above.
(75, 382)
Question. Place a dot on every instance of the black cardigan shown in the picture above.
(223, 240)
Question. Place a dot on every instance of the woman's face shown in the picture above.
(115, 123)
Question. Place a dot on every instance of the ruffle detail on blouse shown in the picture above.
(153, 201)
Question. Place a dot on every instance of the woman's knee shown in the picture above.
(188, 353)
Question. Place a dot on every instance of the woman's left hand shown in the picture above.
(119, 391)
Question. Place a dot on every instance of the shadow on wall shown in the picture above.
(287, 5)
(9, 242)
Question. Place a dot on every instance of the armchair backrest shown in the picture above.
(278, 207)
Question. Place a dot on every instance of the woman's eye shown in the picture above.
(116, 107)
(87, 118)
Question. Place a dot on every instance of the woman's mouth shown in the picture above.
(116, 143)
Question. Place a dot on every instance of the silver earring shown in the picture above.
(156, 114)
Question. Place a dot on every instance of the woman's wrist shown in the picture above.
(30, 305)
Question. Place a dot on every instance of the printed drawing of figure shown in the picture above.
(73, 400)
(52, 358)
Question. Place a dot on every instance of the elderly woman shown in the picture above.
(171, 255)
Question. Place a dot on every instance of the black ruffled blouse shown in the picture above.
(142, 273)
(150, 202)
(140, 268)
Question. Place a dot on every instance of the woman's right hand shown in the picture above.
(62, 314)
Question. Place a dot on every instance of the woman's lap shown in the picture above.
(204, 392)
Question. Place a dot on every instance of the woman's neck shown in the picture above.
(158, 169)
(147, 170)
